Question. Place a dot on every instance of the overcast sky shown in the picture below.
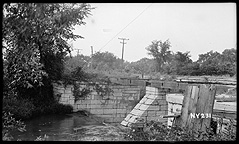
(194, 27)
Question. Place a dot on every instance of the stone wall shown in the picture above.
(139, 102)
(174, 105)
(112, 108)
(151, 107)
(63, 94)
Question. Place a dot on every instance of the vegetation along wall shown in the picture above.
(113, 107)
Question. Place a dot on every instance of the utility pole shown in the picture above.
(123, 47)
(91, 50)
(91, 57)
(78, 51)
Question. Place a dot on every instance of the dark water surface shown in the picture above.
(56, 127)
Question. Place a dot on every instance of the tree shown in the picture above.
(35, 38)
(209, 63)
(161, 53)
(180, 62)
(105, 61)
(77, 61)
(228, 62)
(142, 66)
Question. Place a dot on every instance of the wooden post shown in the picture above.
(197, 107)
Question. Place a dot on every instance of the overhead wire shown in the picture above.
(125, 27)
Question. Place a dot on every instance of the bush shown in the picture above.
(52, 108)
(19, 107)
(8, 124)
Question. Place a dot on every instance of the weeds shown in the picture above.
(155, 131)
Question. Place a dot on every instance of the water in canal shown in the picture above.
(56, 127)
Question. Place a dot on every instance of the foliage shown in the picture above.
(142, 66)
(179, 63)
(35, 39)
(92, 81)
(21, 108)
(156, 131)
(53, 108)
(40, 138)
(77, 61)
(161, 53)
(105, 61)
(210, 63)
(9, 123)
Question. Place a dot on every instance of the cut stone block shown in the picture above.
(151, 113)
(143, 100)
(152, 118)
(152, 96)
(163, 107)
(118, 94)
(137, 106)
(81, 106)
(128, 117)
(109, 111)
(148, 102)
(137, 112)
(109, 106)
(120, 111)
(159, 113)
(96, 106)
(124, 123)
(96, 111)
(154, 108)
(143, 107)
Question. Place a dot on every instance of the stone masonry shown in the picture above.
(112, 108)
(150, 107)
(126, 105)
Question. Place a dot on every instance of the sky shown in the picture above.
(195, 27)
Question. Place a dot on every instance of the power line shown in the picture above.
(126, 26)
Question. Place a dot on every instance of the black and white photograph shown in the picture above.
(119, 72)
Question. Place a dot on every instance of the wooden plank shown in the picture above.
(208, 109)
(198, 100)
(192, 106)
(204, 105)
(181, 121)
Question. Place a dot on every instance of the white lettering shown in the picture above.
(197, 115)
(209, 115)
(200, 115)
(192, 115)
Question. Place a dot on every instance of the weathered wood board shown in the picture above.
(198, 100)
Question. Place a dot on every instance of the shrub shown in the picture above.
(21, 108)
(53, 108)
(9, 123)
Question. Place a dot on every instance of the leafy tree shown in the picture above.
(161, 53)
(35, 39)
(228, 62)
(105, 61)
(77, 61)
(192, 69)
(143, 66)
(180, 62)
(209, 63)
